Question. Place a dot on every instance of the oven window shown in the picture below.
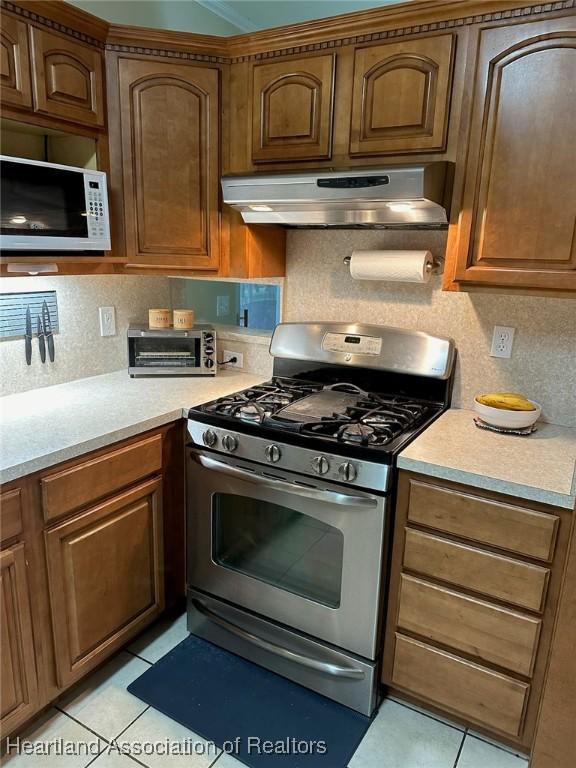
(40, 202)
(278, 545)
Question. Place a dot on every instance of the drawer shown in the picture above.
(501, 577)
(466, 689)
(82, 484)
(492, 633)
(506, 526)
(10, 514)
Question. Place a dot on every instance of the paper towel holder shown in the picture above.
(435, 268)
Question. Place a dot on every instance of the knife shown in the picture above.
(48, 330)
(28, 339)
(41, 340)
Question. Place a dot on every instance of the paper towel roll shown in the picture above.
(393, 266)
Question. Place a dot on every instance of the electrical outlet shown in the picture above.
(502, 340)
(107, 321)
(222, 306)
(228, 355)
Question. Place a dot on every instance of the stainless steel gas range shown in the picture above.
(290, 486)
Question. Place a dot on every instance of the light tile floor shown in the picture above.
(102, 710)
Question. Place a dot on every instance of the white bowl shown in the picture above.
(500, 417)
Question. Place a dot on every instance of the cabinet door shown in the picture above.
(518, 213)
(292, 110)
(105, 577)
(401, 96)
(170, 162)
(68, 79)
(14, 63)
(19, 687)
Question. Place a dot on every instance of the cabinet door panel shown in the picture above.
(292, 110)
(68, 79)
(19, 690)
(518, 222)
(14, 63)
(105, 573)
(170, 117)
(401, 96)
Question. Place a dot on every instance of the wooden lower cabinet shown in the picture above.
(470, 616)
(19, 685)
(92, 552)
(105, 577)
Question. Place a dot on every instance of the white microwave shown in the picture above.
(49, 207)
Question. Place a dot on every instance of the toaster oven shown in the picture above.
(171, 351)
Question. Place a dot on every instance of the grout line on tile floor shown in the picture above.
(87, 727)
(460, 748)
(150, 663)
(430, 716)
(501, 747)
(132, 723)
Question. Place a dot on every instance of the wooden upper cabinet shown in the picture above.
(292, 109)
(68, 78)
(15, 63)
(170, 164)
(401, 96)
(518, 215)
(19, 691)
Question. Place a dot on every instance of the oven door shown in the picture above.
(307, 556)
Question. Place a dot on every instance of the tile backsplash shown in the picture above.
(80, 350)
(543, 363)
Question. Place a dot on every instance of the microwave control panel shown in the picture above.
(96, 206)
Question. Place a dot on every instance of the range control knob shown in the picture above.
(230, 443)
(272, 453)
(347, 472)
(208, 362)
(320, 465)
(210, 438)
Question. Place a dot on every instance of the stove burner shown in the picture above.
(356, 433)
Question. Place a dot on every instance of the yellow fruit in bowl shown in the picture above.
(506, 401)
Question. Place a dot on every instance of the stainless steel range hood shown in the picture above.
(395, 196)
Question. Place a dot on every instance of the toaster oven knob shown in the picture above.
(208, 362)
(347, 472)
(230, 443)
(208, 350)
(272, 453)
(320, 465)
(210, 438)
(208, 338)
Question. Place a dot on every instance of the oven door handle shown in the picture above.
(331, 497)
(335, 670)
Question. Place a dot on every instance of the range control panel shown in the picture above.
(351, 344)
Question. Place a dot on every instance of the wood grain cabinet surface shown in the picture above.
(401, 96)
(292, 109)
(518, 214)
(19, 686)
(15, 63)
(105, 577)
(169, 156)
(474, 586)
(68, 78)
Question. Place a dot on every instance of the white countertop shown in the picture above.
(541, 467)
(45, 426)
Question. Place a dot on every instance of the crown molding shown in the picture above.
(393, 21)
(226, 11)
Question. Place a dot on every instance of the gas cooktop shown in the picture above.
(335, 413)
